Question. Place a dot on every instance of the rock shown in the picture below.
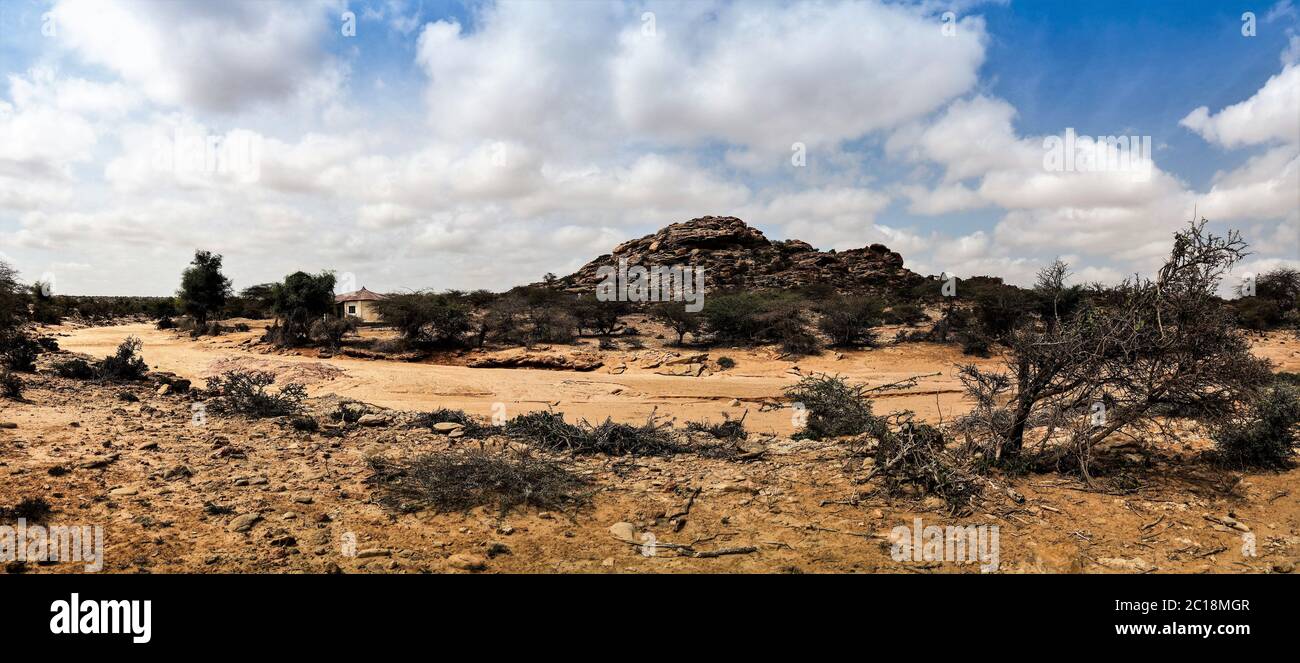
(1135, 564)
(734, 488)
(97, 462)
(687, 370)
(497, 548)
(688, 359)
(245, 522)
(147, 446)
(163, 390)
(624, 531)
(374, 552)
(124, 491)
(1283, 567)
(8, 425)
(735, 402)
(446, 427)
(467, 562)
(735, 256)
(372, 420)
(524, 358)
(303, 499)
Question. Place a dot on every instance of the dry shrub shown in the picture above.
(915, 454)
(11, 386)
(834, 407)
(245, 392)
(124, 365)
(31, 509)
(462, 480)
(549, 430)
(75, 368)
(473, 426)
(727, 429)
(1264, 434)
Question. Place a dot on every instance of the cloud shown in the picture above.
(1267, 117)
(769, 75)
(212, 56)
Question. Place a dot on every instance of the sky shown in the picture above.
(436, 144)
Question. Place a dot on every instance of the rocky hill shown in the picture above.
(736, 256)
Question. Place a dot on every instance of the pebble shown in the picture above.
(245, 522)
(624, 531)
(467, 562)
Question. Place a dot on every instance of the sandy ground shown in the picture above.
(170, 496)
(630, 396)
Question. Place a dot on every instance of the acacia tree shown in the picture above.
(1127, 353)
(675, 315)
(298, 302)
(204, 288)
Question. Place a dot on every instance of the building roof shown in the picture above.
(361, 295)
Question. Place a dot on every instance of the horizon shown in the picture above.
(476, 145)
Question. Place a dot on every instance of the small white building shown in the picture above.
(359, 305)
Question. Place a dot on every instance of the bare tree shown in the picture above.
(1128, 353)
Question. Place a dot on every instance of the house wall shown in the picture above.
(365, 310)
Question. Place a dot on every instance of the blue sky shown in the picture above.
(462, 145)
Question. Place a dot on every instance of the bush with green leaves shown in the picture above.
(848, 321)
(735, 317)
(905, 314)
(298, 302)
(18, 352)
(126, 364)
(426, 317)
(331, 330)
(204, 288)
(677, 318)
(726, 363)
(599, 317)
(832, 406)
(247, 393)
(1264, 435)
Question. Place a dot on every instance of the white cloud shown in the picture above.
(769, 75)
(217, 56)
(1268, 116)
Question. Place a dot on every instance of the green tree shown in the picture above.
(675, 315)
(204, 288)
(297, 303)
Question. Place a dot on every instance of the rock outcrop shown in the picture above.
(737, 256)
